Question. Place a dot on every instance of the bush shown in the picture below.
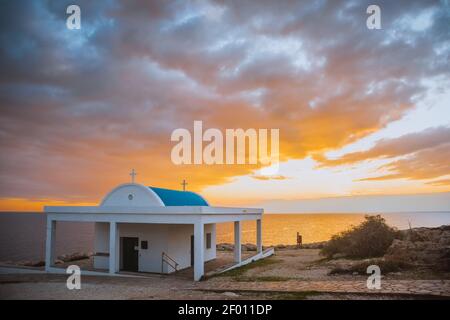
(369, 239)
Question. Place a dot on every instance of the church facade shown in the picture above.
(149, 229)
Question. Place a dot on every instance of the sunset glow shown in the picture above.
(360, 112)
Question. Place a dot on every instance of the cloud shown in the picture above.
(442, 182)
(80, 108)
(276, 177)
(389, 148)
(427, 164)
(423, 155)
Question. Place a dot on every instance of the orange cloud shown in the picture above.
(79, 112)
(427, 164)
(442, 182)
(276, 177)
(389, 148)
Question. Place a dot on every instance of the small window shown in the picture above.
(144, 245)
(208, 241)
(130, 197)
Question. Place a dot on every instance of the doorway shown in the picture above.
(130, 254)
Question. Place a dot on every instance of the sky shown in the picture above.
(362, 114)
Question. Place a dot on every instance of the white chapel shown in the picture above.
(148, 229)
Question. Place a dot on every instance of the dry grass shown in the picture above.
(239, 272)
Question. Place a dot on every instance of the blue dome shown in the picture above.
(179, 198)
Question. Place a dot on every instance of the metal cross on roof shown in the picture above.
(184, 184)
(133, 174)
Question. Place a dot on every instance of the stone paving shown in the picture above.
(418, 287)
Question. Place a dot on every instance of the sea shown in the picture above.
(22, 235)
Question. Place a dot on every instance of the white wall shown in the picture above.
(210, 254)
(173, 239)
(180, 244)
(157, 237)
(101, 244)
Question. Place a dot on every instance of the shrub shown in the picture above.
(369, 239)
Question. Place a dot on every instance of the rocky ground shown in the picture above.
(415, 266)
(290, 274)
(423, 248)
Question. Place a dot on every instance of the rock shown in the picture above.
(79, 256)
(230, 294)
(39, 263)
(314, 245)
(249, 247)
(225, 247)
(64, 257)
(428, 247)
(355, 273)
(252, 247)
(74, 256)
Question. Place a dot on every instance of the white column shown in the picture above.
(258, 236)
(50, 244)
(199, 250)
(113, 247)
(237, 241)
(213, 240)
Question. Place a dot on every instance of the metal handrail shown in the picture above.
(174, 264)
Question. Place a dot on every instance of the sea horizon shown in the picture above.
(276, 213)
(28, 228)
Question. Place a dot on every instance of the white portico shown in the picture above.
(148, 229)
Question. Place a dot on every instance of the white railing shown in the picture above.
(165, 258)
(260, 255)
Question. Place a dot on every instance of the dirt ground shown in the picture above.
(289, 274)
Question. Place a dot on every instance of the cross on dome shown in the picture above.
(133, 174)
